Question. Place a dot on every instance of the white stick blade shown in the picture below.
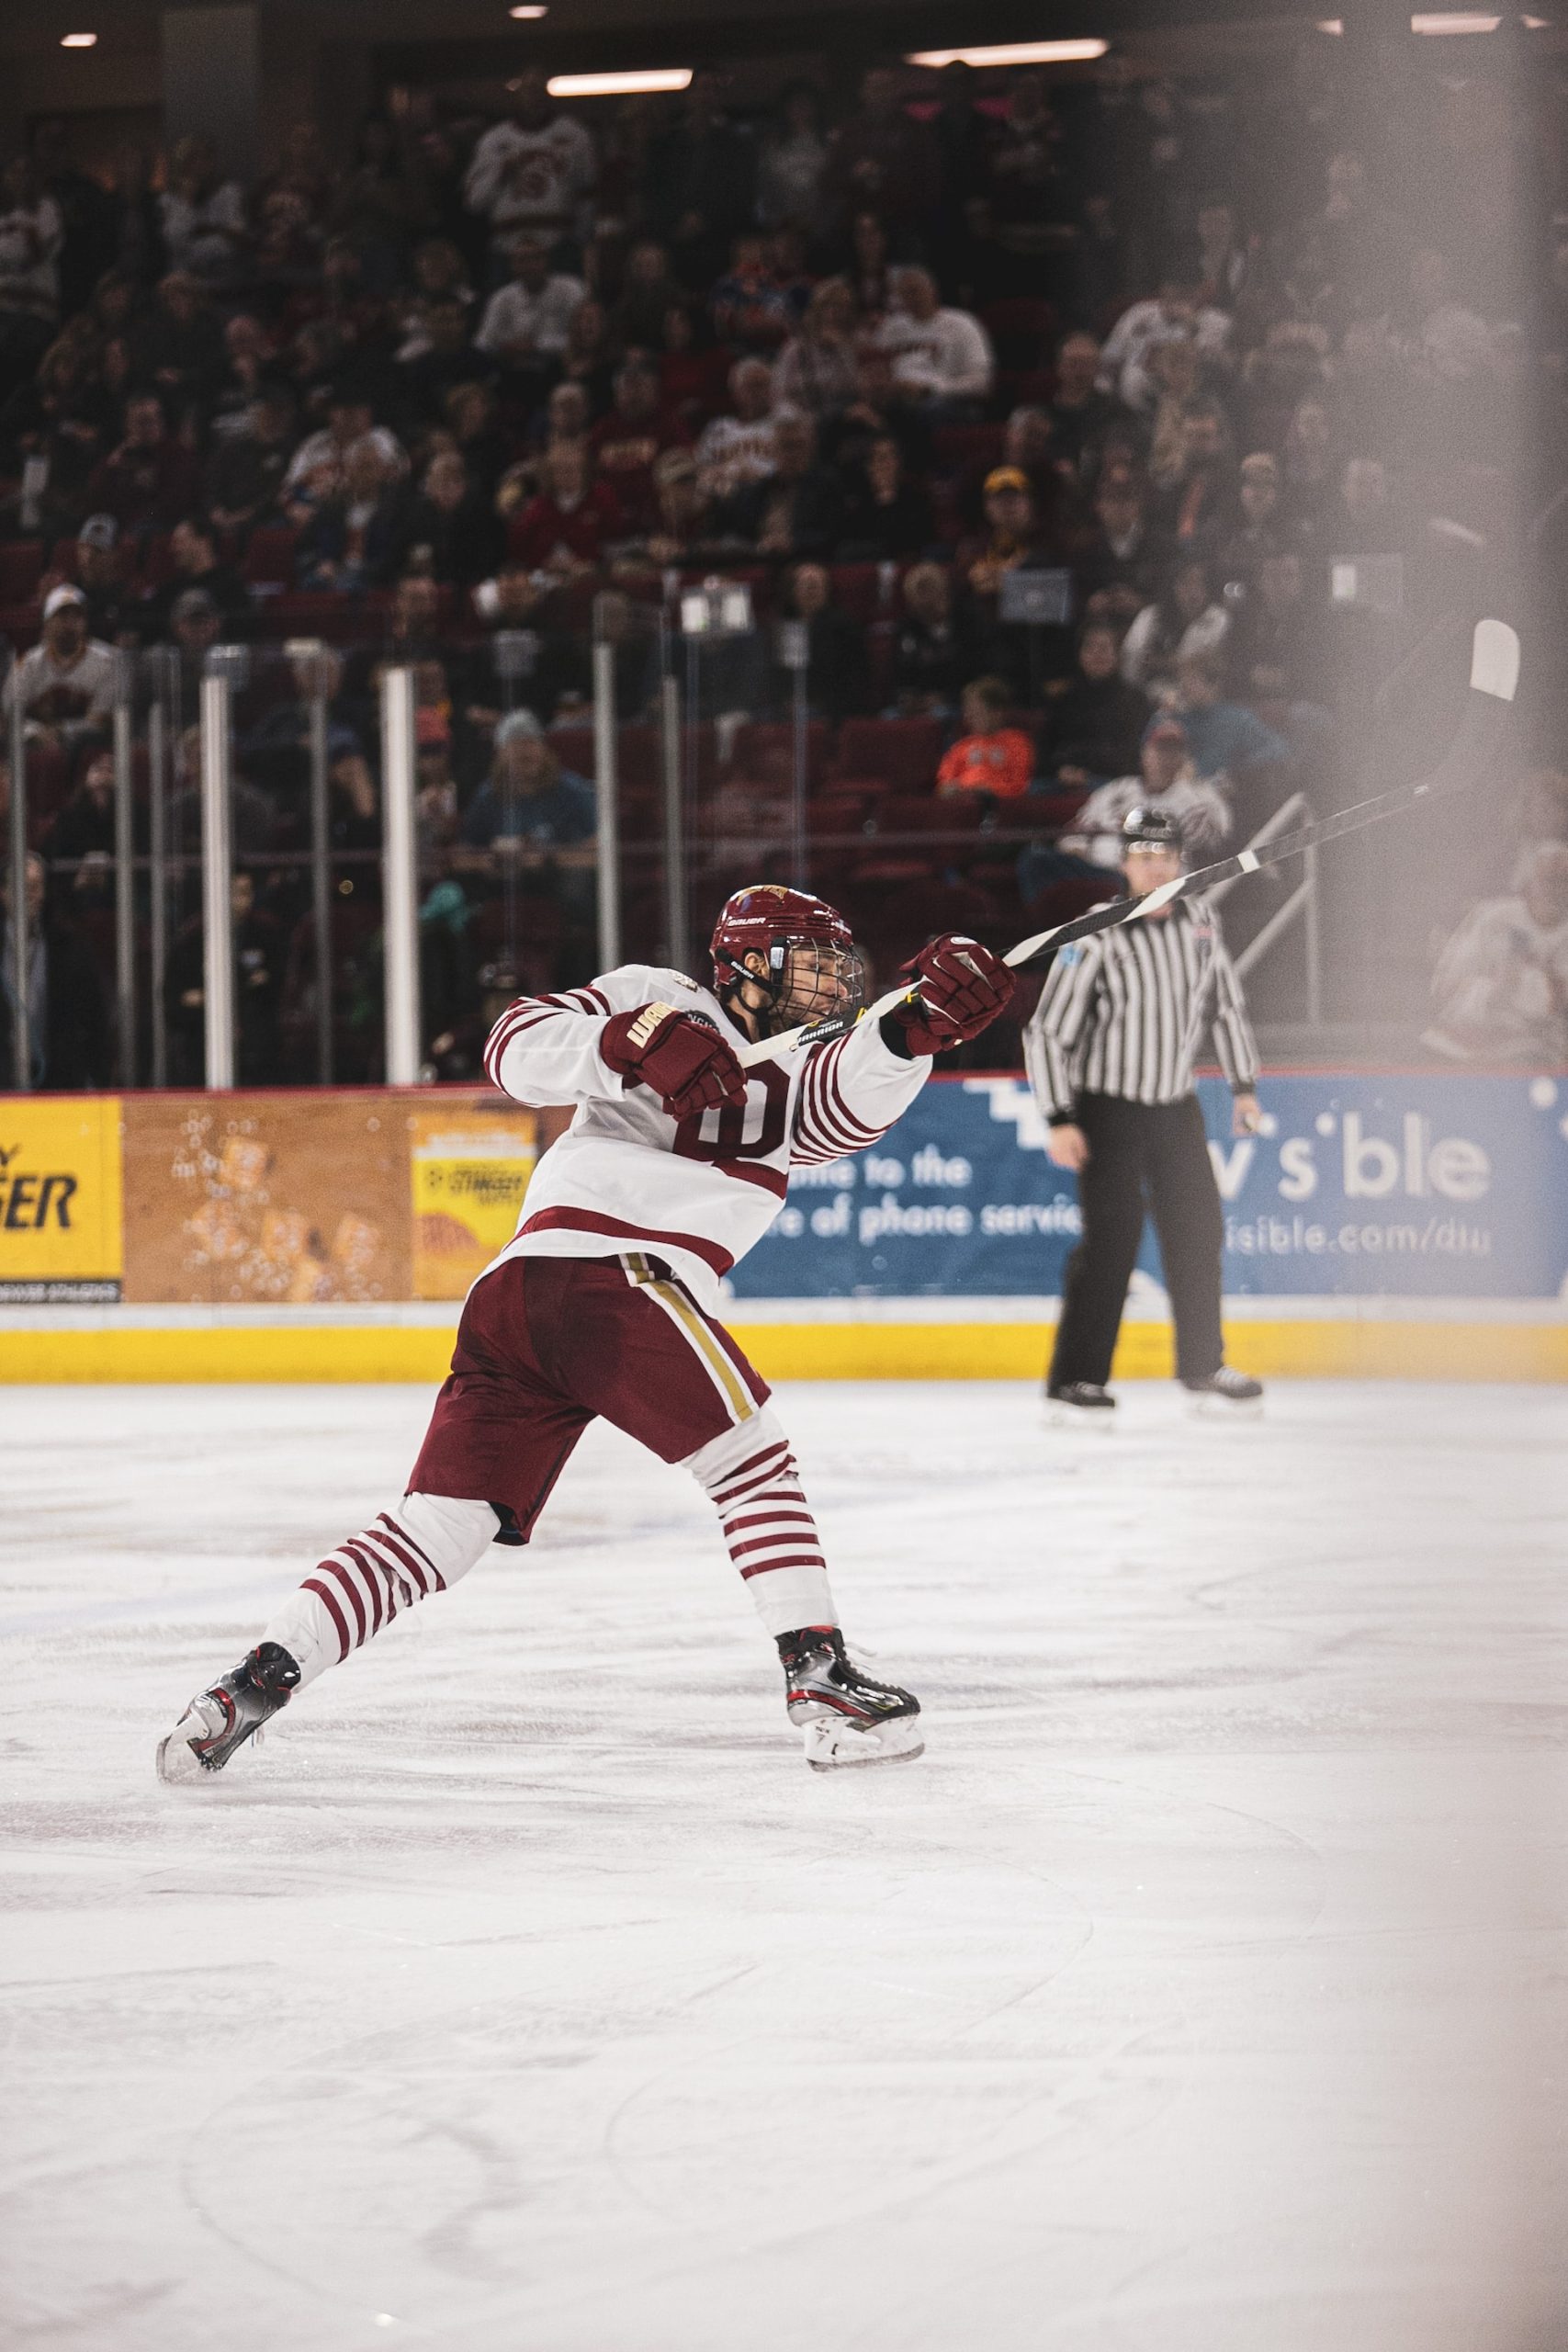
(1494, 661)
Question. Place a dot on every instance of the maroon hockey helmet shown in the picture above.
(770, 920)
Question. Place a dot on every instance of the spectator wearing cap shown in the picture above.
(246, 470)
(95, 563)
(65, 685)
(1009, 537)
(194, 625)
(943, 360)
(991, 756)
(531, 814)
(628, 440)
(150, 481)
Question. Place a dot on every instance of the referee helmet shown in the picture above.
(1146, 827)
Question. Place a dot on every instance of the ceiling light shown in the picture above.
(1014, 52)
(78, 40)
(1331, 24)
(619, 85)
(527, 15)
(1454, 21)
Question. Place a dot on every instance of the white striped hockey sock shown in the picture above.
(750, 1477)
(404, 1556)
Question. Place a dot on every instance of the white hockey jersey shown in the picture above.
(701, 1192)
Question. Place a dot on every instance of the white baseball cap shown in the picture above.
(58, 598)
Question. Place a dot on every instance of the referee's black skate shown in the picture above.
(845, 1717)
(222, 1718)
(1080, 1400)
(1226, 1391)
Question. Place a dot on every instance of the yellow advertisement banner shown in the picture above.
(470, 1170)
(60, 1199)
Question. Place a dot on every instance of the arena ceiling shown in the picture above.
(479, 35)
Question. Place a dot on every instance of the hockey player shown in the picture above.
(602, 1302)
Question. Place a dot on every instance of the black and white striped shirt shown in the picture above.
(1122, 1014)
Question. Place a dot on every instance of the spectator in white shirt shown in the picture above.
(30, 234)
(736, 450)
(1173, 314)
(1166, 781)
(205, 226)
(1501, 981)
(942, 361)
(1182, 625)
(534, 172)
(528, 322)
(66, 684)
(350, 418)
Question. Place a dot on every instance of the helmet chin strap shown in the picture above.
(769, 1017)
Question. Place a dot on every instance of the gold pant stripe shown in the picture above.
(728, 1381)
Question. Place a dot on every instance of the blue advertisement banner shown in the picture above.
(1365, 1186)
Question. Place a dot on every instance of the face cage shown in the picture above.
(809, 979)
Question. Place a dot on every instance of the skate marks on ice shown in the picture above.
(1171, 2001)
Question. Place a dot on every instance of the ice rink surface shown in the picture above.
(1202, 1990)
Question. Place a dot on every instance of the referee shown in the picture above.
(1110, 1050)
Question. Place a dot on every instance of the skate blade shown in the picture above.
(1099, 1417)
(1225, 1409)
(833, 1746)
(179, 1766)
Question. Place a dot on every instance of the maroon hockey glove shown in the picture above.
(962, 987)
(686, 1063)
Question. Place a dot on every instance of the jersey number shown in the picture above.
(734, 1131)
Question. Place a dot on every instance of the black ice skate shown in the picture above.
(1080, 1400)
(845, 1717)
(225, 1717)
(1228, 1391)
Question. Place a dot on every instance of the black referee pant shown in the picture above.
(1142, 1156)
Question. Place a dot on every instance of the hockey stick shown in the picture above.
(1494, 674)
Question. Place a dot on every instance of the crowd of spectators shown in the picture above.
(1046, 409)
